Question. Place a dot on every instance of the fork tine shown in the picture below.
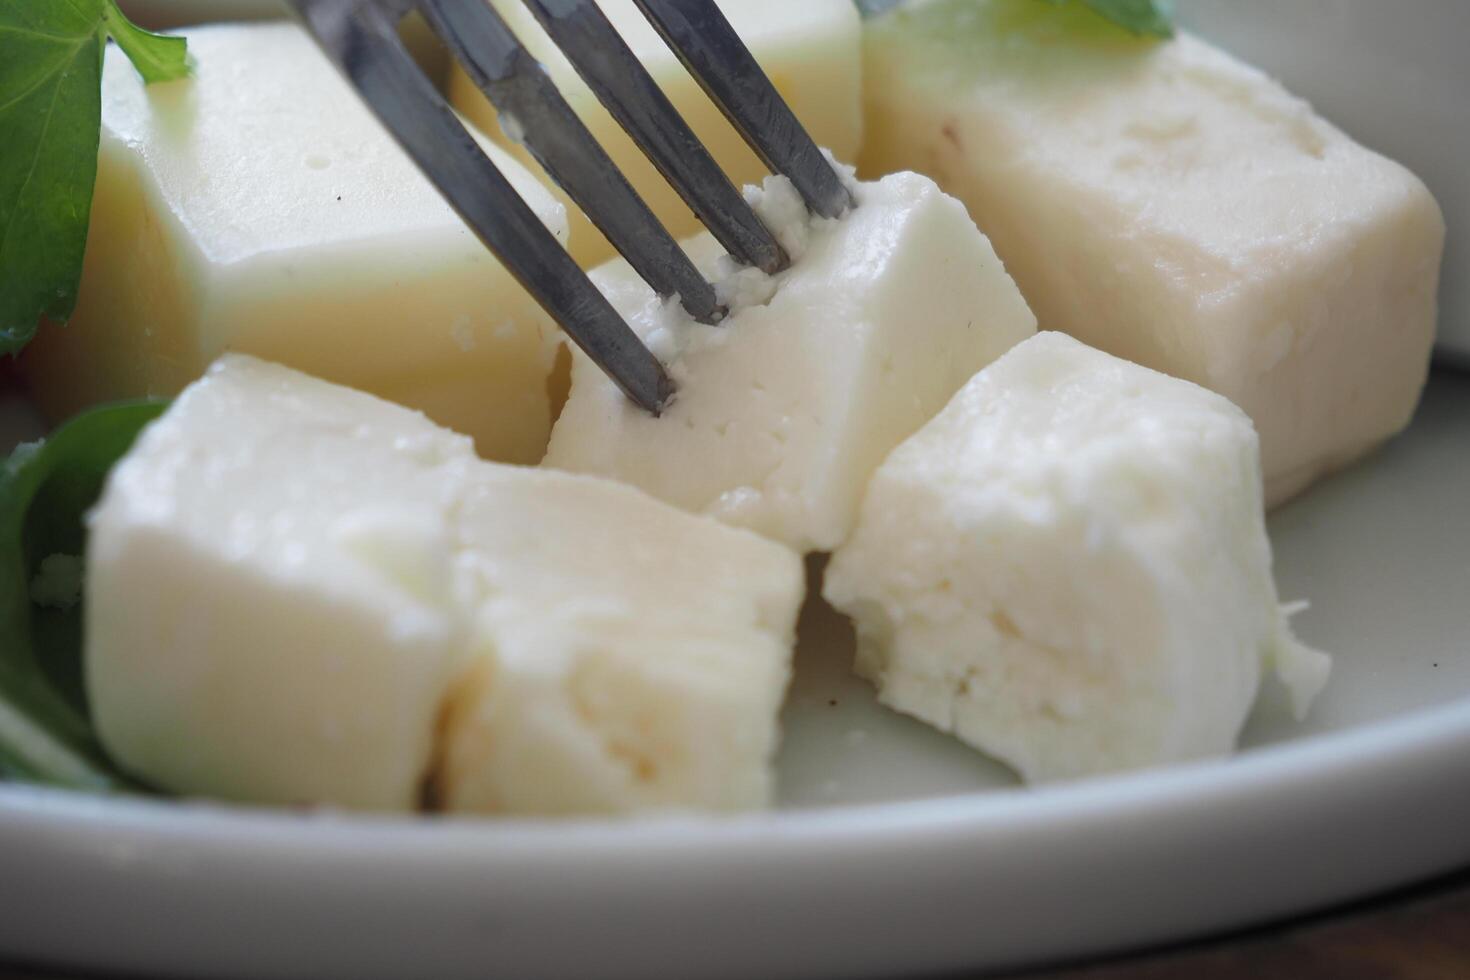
(623, 85)
(525, 97)
(360, 39)
(699, 34)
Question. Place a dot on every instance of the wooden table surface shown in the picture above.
(1422, 933)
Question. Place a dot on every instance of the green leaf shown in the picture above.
(158, 57)
(46, 489)
(1143, 17)
(50, 115)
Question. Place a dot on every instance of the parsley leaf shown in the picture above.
(1143, 17)
(51, 114)
(46, 488)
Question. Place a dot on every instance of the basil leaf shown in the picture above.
(46, 489)
(157, 57)
(51, 115)
(1142, 17)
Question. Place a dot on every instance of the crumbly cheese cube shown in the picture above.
(298, 593)
(787, 406)
(811, 50)
(1068, 568)
(258, 207)
(628, 657)
(1171, 205)
(268, 600)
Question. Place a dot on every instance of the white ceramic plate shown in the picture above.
(895, 850)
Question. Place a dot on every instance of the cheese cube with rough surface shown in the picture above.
(788, 405)
(626, 656)
(811, 50)
(269, 611)
(298, 593)
(1168, 204)
(1069, 570)
(258, 207)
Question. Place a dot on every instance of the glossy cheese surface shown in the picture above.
(1171, 205)
(258, 207)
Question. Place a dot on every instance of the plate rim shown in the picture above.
(1128, 863)
(1293, 764)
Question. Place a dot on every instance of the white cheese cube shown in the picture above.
(628, 657)
(811, 50)
(269, 615)
(298, 593)
(786, 407)
(258, 207)
(1173, 206)
(1068, 568)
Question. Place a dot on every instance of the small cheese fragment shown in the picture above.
(1068, 569)
(335, 602)
(269, 615)
(811, 50)
(628, 656)
(258, 207)
(787, 406)
(1173, 206)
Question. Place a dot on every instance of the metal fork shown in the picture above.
(360, 37)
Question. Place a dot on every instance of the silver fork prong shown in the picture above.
(360, 39)
(697, 31)
(527, 101)
(623, 85)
